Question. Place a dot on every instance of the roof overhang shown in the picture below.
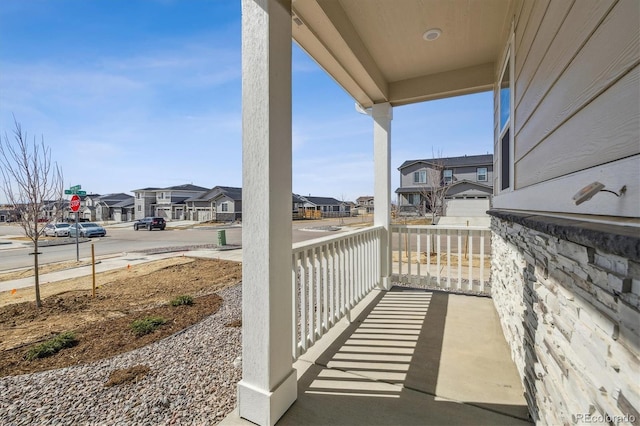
(375, 49)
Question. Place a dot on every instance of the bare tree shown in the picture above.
(30, 181)
(435, 188)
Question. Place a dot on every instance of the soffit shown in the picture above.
(375, 50)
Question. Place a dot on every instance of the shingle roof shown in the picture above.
(125, 203)
(466, 160)
(322, 201)
(231, 192)
(116, 196)
(150, 188)
(185, 187)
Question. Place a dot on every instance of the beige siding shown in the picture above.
(526, 35)
(576, 96)
(523, 19)
(595, 67)
(577, 144)
(526, 67)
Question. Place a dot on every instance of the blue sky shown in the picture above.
(132, 94)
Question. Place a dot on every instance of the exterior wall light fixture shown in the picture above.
(586, 193)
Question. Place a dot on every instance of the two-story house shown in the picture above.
(221, 203)
(455, 186)
(365, 204)
(168, 203)
(116, 207)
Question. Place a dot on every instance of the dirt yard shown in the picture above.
(102, 325)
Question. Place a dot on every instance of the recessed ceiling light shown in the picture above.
(432, 34)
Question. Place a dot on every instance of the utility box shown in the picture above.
(222, 238)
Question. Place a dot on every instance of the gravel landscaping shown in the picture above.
(188, 378)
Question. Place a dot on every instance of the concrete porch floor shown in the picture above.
(409, 357)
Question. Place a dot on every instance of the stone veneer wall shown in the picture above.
(567, 294)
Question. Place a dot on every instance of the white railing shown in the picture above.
(329, 277)
(454, 258)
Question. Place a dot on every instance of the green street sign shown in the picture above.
(67, 192)
(76, 187)
(81, 192)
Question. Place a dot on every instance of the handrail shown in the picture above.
(452, 258)
(329, 276)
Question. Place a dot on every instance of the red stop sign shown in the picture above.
(74, 203)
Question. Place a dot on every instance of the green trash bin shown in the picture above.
(222, 238)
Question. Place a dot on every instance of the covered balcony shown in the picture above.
(342, 330)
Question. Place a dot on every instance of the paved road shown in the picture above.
(122, 238)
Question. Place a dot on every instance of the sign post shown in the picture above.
(74, 205)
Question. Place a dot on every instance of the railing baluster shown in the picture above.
(448, 258)
(409, 254)
(400, 230)
(459, 286)
(303, 296)
(429, 236)
(482, 261)
(312, 284)
(294, 307)
(332, 284)
(438, 255)
(343, 278)
(350, 273)
(325, 289)
(470, 254)
(470, 260)
(318, 299)
(419, 254)
(360, 281)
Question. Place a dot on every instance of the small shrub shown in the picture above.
(182, 300)
(52, 346)
(132, 374)
(146, 325)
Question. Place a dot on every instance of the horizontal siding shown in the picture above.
(597, 134)
(526, 68)
(595, 68)
(581, 21)
(523, 19)
(555, 196)
(530, 33)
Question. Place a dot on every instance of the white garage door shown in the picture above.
(467, 207)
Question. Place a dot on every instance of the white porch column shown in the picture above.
(382, 115)
(268, 386)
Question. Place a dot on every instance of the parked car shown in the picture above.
(87, 229)
(57, 230)
(150, 223)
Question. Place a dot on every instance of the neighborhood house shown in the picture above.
(464, 185)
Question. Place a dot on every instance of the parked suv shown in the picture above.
(150, 223)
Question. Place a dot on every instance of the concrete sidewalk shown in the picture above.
(117, 262)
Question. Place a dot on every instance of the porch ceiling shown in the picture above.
(375, 49)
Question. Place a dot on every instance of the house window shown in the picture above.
(420, 176)
(413, 199)
(224, 207)
(505, 138)
(447, 176)
(139, 208)
(481, 174)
